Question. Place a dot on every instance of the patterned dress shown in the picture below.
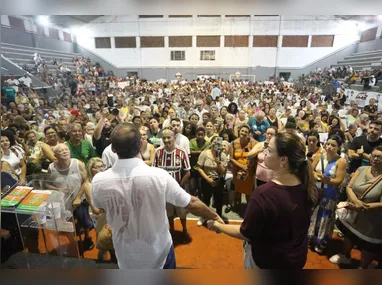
(323, 217)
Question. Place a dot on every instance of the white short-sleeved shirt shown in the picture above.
(134, 196)
(109, 157)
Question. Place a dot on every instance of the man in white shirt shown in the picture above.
(109, 157)
(13, 82)
(134, 196)
(216, 91)
(26, 80)
(180, 140)
(200, 109)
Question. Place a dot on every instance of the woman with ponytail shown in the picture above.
(277, 218)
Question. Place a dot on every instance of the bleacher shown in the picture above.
(21, 55)
(363, 60)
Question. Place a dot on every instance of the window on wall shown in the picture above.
(125, 42)
(67, 37)
(180, 41)
(322, 41)
(152, 42)
(295, 41)
(207, 55)
(180, 16)
(53, 33)
(150, 16)
(178, 55)
(369, 35)
(16, 23)
(208, 41)
(236, 41)
(237, 16)
(265, 41)
(102, 42)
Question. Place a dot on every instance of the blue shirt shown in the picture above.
(256, 126)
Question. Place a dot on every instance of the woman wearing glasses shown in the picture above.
(104, 242)
(366, 230)
(51, 137)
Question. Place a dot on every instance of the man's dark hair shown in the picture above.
(136, 117)
(376, 122)
(153, 118)
(126, 140)
(175, 120)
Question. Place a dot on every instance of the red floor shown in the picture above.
(208, 250)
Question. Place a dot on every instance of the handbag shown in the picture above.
(348, 215)
(104, 233)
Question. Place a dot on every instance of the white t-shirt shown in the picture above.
(14, 84)
(13, 160)
(109, 157)
(134, 196)
(26, 81)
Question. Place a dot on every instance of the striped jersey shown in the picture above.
(175, 162)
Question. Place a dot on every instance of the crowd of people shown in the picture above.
(134, 154)
(346, 74)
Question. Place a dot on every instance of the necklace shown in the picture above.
(375, 172)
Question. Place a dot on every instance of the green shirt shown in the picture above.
(10, 93)
(83, 152)
(194, 147)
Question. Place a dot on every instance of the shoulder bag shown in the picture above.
(348, 215)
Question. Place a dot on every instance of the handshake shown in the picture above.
(214, 226)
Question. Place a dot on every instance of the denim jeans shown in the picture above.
(170, 260)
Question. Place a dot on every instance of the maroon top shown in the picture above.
(276, 223)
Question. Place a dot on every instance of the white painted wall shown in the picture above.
(112, 26)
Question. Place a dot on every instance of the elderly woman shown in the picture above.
(365, 197)
(258, 126)
(363, 123)
(89, 132)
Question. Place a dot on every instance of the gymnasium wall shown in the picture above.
(260, 45)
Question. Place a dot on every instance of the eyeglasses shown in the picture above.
(376, 157)
(99, 166)
(51, 133)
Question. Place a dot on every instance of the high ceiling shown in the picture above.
(70, 21)
(76, 21)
